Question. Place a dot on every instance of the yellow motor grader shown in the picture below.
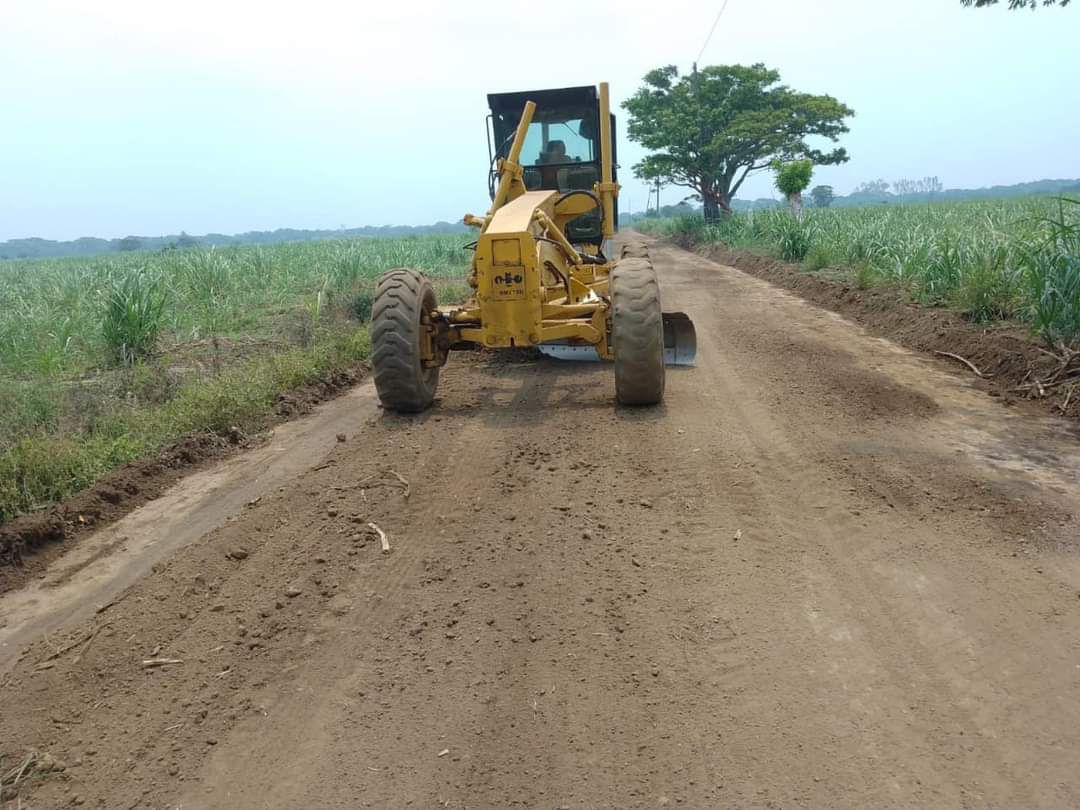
(542, 274)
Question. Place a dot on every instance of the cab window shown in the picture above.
(557, 142)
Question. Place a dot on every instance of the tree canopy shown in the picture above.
(710, 130)
(1016, 3)
(794, 176)
(822, 196)
(927, 185)
(872, 187)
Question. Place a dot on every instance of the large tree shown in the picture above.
(712, 129)
(823, 196)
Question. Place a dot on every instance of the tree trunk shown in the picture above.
(712, 210)
(717, 206)
(795, 201)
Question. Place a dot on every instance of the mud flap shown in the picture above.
(680, 344)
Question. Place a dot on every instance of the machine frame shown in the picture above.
(532, 286)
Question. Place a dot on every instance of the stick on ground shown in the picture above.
(383, 539)
(161, 662)
(404, 483)
(81, 640)
(967, 363)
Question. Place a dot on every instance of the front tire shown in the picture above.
(404, 301)
(635, 250)
(637, 333)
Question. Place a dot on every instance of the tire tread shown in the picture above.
(637, 332)
(403, 384)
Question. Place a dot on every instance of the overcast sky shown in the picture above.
(125, 117)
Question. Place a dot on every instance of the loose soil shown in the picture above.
(1004, 353)
(826, 572)
(30, 542)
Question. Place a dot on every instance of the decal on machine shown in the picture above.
(508, 285)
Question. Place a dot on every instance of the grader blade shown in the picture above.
(680, 339)
(680, 344)
(564, 351)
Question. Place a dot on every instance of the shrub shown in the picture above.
(688, 230)
(864, 275)
(793, 239)
(134, 308)
(945, 265)
(1052, 280)
(361, 304)
(818, 257)
(988, 289)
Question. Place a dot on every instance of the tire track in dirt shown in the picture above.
(531, 621)
(944, 659)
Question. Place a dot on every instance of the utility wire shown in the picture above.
(712, 30)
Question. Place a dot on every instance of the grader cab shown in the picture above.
(542, 274)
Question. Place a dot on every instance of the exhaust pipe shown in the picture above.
(680, 344)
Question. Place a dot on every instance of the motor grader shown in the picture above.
(542, 273)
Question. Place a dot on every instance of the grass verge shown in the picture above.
(47, 467)
(1006, 260)
(108, 360)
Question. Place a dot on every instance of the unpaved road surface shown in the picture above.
(826, 573)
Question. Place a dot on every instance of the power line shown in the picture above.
(711, 31)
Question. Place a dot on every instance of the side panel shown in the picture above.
(509, 289)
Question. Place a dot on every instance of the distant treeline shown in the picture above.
(34, 248)
(886, 197)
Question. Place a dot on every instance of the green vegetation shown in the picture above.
(1014, 4)
(792, 178)
(878, 192)
(107, 360)
(822, 196)
(1008, 259)
(36, 248)
(134, 314)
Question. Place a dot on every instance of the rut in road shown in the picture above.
(825, 573)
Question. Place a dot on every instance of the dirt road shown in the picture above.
(825, 573)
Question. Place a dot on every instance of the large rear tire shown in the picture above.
(404, 301)
(637, 333)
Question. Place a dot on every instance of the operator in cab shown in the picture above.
(554, 156)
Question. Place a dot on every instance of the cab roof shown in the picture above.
(513, 103)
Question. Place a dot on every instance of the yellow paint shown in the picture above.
(607, 190)
(532, 285)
